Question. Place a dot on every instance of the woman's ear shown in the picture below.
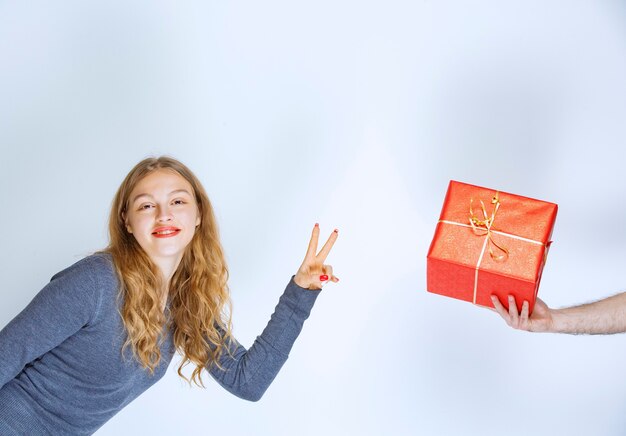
(125, 219)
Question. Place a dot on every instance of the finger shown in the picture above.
(321, 256)
(513, 311)
(328, 269)
(500, 308)
(315, 234)
(524, 313)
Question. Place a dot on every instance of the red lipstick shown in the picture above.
(165, 232)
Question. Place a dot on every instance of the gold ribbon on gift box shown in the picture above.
(483, 227)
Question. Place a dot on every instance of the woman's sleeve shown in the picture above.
(59, 310)
(248, 373)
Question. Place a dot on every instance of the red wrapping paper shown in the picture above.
(522, 226)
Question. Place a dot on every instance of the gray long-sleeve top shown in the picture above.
(61, 365)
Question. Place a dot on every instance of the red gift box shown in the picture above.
(489, 242)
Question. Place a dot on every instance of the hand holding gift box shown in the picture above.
(489, 242)
(543, 318)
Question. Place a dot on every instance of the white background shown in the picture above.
(354, 115)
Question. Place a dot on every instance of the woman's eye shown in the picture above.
(145, 206)
(178, 202)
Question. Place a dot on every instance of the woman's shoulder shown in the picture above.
(82, 287)
(96, 268)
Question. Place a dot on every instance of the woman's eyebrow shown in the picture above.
(180, 191)
(177, 191)
(139, 196)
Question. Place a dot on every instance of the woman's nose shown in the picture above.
(164, 214)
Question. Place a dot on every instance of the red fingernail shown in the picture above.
(336, 231)
(317, 225)
(323, 278)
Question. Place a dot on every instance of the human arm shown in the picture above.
(66, 304)
(248, 373)
(606, 316)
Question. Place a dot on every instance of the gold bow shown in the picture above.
(483, 227)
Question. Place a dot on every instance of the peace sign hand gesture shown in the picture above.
(313, 273)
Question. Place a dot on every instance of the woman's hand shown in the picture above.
(540, 321)
(313, 273)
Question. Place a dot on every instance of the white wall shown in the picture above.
(356, 115)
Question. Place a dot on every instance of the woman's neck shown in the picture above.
(168, 267)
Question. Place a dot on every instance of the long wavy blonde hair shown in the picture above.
(199, 309)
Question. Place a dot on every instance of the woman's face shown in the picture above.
(162, 215)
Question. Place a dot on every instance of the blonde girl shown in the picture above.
(106, 328)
